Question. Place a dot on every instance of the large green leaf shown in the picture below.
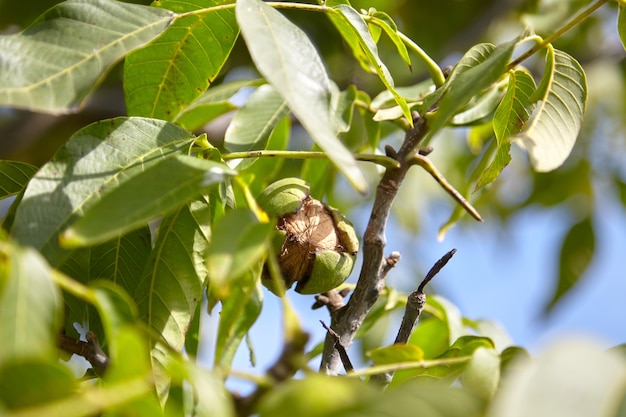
(621, 22)
(285, 56)
(30, 305)
(173, 280)
(356, 33)
(56, 62)
(551, 132)
(159, 189)
(120, 261)
(14, 176)
(104, 153)
(167, 75)
(508, 120)
(576, 255)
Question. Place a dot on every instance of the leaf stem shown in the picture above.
(383, 160)
(556, 35)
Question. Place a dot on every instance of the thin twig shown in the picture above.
(413, 310)
(343, 354)
(428, 166)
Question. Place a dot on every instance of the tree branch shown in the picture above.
(89, 350)
(346, 321)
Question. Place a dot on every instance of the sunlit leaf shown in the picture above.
(480, 67)
(56, 62)
(551, 132)
(214, 102)
(388, 25)
(577, 253)
(356, 33)
(509, 119)
(239, 241)
(30, 305)
(14, 176)
(285, 56)
(156, 191)
(396, 353)
(167, 75)
(479, 108)
(252, 125)
(104, 153)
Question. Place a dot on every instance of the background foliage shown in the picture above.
(114, 223)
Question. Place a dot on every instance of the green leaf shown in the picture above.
(509, 119)
(573, 378)
(212, 103)
(173, 281)
(285, 56)
(55, 63)
(480, 67)
(621, 23)
(356, 33)
(14, 176)
(167, 75)
(482, 374)
(481, 107)
(31, 307)
(239, 241)
(576, 254)
(240, 309)
(252, 125)
(396, 353)
(120, 261)
(388, 25)
(30, 382)
(105, 153)
(158, 190)
(551, 132)
(115, 306)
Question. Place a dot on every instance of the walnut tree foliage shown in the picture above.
(156, 128)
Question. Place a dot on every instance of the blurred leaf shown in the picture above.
(30, 382)
(482, 373)
(239, 241)
(173, 281)
(214, 102)
(55, 63)
(431, 336)
(115, 306)
(211, 399)
(252, 125)
(551, 132)
(509, 119)
(356, 33)
(480, 67)
(167, 75)
(31, 307)
(573, 378)
(108, 152)
(265, 169)
(240, 309)
(14, 176)
(156, 191)
(577, 253)
(621, 23)
(278, 49)
(396, 353)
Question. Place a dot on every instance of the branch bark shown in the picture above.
(346, 321)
